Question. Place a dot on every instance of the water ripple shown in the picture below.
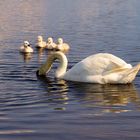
(32, 107)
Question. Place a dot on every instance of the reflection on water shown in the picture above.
(56, 92)
(26, 56)
(40, 52)
(35, 108)
(109, 98)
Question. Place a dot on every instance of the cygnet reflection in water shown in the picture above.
(26, 57)
(40, 52)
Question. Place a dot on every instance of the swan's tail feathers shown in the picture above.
(121, 75)
(131, 74)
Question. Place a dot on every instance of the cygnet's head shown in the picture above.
(60, 41)
(26, 44)
(39, 38)
(50, 40)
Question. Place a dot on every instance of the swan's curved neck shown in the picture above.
(61, 70)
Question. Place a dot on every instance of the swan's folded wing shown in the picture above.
(116, 66)
(120, 65)
(115, 70)
(123, 70)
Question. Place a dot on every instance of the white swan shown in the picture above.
(40, 43)
(26, 48)
(100, 68)
(50, 44)
(61, 46)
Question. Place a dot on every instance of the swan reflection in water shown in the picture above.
(56, 92)
(101, 98)
(108, 98)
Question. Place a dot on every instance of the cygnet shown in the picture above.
(40, 42)
(26, 48)
(61, 46)
(50, 44)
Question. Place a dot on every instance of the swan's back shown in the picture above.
(96, 65)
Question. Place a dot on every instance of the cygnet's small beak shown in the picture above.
(29, 44)
(37, 73)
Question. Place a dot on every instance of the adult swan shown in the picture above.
(100, 68)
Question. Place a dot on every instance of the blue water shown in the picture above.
(35, 108)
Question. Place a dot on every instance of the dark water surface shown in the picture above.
(34, 108)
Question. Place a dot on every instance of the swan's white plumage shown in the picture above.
(99, 68)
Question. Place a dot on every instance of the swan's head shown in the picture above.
(26, 44)
(50, 40)
(60, 41)
(39, 38)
